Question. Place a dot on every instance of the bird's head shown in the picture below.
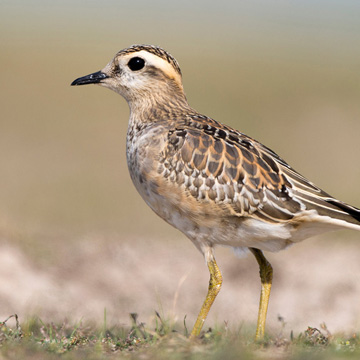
(140, 72)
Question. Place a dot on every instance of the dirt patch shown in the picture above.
(316, 281)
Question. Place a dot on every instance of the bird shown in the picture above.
(215, 184)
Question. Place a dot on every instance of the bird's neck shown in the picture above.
(157, 107)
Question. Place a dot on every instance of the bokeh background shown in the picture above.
(76, 238)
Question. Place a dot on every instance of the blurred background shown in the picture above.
(76, 237)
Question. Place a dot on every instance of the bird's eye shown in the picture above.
(136, 63)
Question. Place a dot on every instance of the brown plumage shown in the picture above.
(215, 184)
(226, 166)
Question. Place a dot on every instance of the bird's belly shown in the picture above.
(207, 223)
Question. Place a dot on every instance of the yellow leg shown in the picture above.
(266, 275)
(214, 288)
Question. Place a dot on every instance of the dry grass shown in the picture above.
(34, 339)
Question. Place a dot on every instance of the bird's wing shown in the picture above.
(216, 163)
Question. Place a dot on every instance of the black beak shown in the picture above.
(93, 78)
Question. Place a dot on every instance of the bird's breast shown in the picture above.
(145, 151)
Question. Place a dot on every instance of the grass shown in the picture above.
(34, 339)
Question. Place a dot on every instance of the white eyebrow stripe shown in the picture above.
(158, 62)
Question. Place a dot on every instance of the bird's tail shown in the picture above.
(331, 210)
(350, 213)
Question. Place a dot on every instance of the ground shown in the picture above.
(71, 285)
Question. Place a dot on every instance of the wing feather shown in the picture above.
(217, 164)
